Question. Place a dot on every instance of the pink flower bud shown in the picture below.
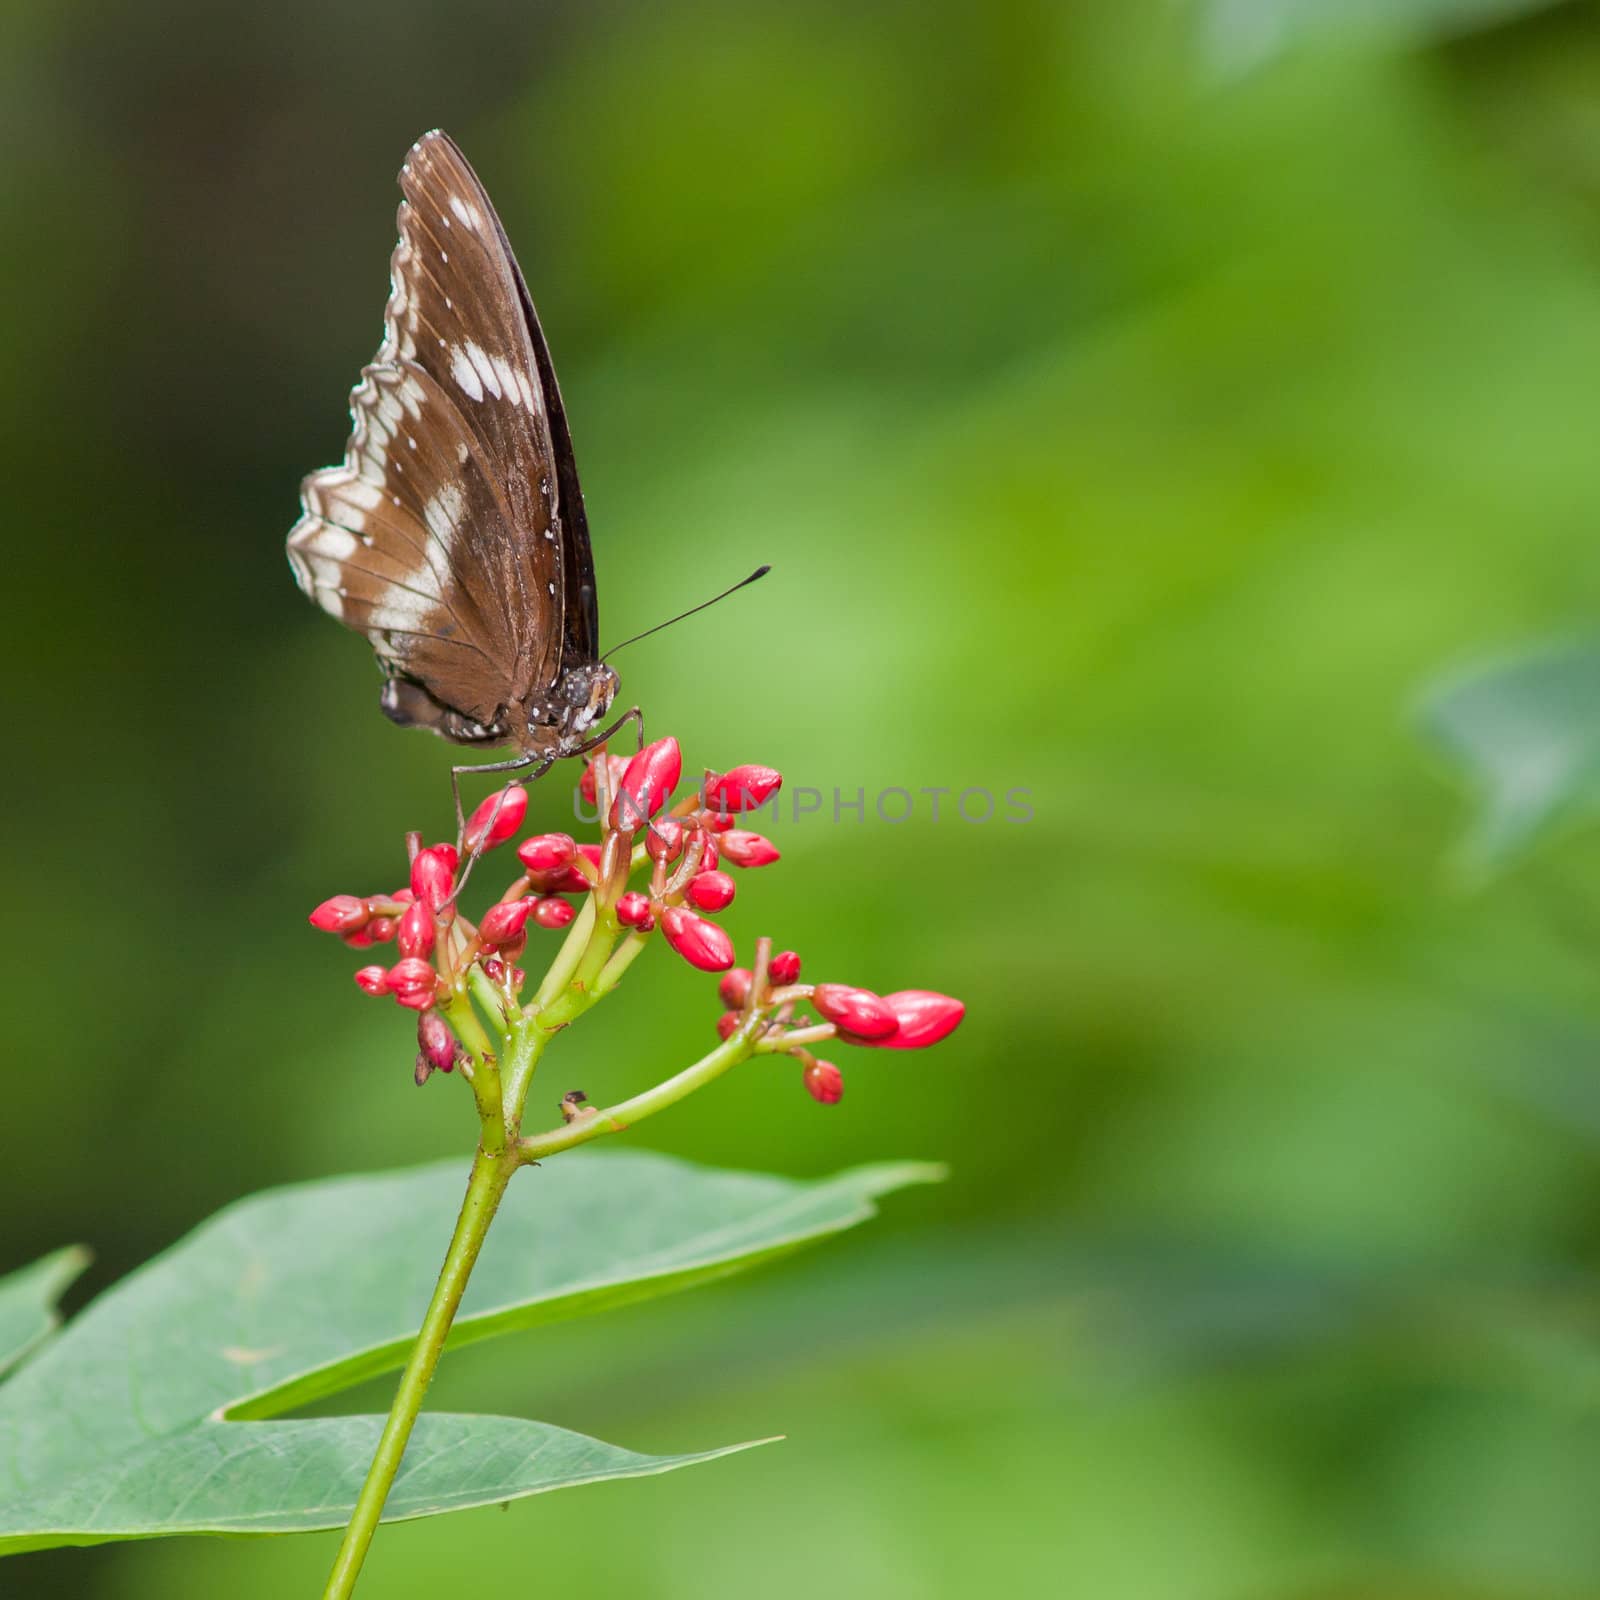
(547, 852)
(715, 821)
(416, 930)
(710, 891)
(646, 782)
(494, 969)
(436, 1041)
(633, 911)
(709, 854)
(616, 766)
(382, 929)
(342, 914)
(361, 939)
(414, 999)
(702, 944)
(734, 989)
(824, 1082)
(664, 841)
(497, 818)
(742, 788)
(857, 1011)
(553, 912)
(784, 968)
(746, 849)
(373, 980)
(433, 874)
(924, 1018)
(726, 1025)
(504, 922)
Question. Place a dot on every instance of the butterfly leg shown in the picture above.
(543, 765)
(514, 765)
(636, 717)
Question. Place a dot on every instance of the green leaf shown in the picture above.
(1525, 733)
(128, 1424)
(27, 1301)
(260, 1478)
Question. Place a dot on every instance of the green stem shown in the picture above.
(566, 961)
(623, 1115)
(526, 1044)
(485, 1069)
(490, 1174)
(618, 963)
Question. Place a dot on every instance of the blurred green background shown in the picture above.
(1138, 403)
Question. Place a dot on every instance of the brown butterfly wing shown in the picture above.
(440, 537)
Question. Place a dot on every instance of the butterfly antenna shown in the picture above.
(743, 583)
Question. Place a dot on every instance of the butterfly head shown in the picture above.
(583, 697)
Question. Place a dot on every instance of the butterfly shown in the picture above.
(453, 534)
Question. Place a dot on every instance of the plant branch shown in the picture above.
(738, 1047)
(487, 1185)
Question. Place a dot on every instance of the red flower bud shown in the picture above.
(494, 969)
(857, 1011)
(715, 821)
(547, 852)
(633, 911)
(710, 891)
(416, 930)
(734, 989)
(361, 939)
(646, 782)
(784, 968)
(569, 880)
(497, 818)
(433, 874)
(505, 921)
(924, 1018)
(824, 1082)
(553, 912)
(616, 766)
(342, 914)
(742, 788)
(746, 849)
(381, 929)
(702, 944)
(436, 1041)
(726, 1024)
(664, 841)
(412, 981)
(709, 854)
(373, 980)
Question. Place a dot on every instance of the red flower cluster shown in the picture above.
(686, 880)
(685, 848)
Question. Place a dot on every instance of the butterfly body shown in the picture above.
(453, 533)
